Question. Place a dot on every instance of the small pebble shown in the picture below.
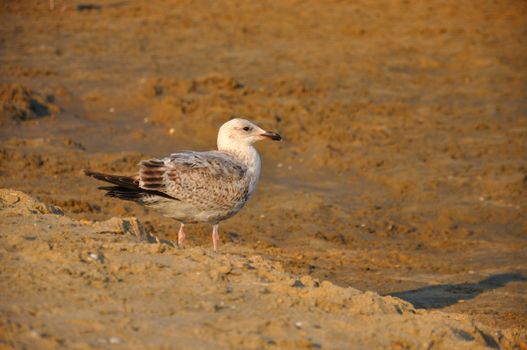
(114, 340)
(93, 256)
(171, 131)
(298, 324)
(112, 110)
(279, 165)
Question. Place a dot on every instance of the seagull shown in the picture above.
(197, 187)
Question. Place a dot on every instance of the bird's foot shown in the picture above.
(181, 236)
(215, 237)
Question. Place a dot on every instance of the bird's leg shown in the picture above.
(181, 235)
(215, 237)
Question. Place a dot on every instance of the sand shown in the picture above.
(98, 284)
(398, 195)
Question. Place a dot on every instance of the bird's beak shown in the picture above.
(272, 135)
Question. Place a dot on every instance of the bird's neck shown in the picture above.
(248, 156)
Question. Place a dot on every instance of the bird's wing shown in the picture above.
(124, 187)
(208, 180)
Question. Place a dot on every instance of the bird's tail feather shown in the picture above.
(125, 187)
(123, 193)
(122, 181)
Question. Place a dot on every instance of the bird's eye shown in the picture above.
(246, 128)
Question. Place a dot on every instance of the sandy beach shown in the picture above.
(391, 216)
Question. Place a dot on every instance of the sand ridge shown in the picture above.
(120, 289)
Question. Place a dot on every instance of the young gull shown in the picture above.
(197, 187)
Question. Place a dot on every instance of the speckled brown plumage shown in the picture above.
(207, 181)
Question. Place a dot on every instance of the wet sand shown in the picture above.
(403, 170)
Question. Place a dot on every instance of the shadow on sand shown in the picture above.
(435, 297)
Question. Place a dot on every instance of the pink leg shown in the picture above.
(215, 237)
(181, 235)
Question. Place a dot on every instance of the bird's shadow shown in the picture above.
(439, 296)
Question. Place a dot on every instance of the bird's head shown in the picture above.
(238, 133)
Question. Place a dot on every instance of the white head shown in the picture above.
(239, 133)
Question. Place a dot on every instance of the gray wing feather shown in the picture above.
(207, 180)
